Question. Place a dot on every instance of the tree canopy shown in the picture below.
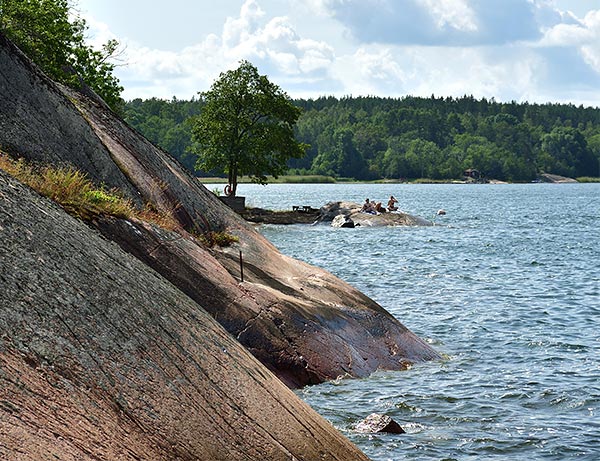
(412, 137)
(53, 36)
(246, 127)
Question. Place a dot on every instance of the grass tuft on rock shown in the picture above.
(70, 188)
(222, 239)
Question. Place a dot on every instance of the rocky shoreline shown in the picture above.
(145, 342)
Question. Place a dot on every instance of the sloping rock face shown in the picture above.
(556, 179)
(37, 123)
(302, 322)
(102, 358)
(313, 328)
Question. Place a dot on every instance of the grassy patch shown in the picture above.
(161, 219)
(79, 197)
(222, 239)
(70, 188)
(304, 179)
(429, 181)
(588, 179)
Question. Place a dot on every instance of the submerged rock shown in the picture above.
(375, 423)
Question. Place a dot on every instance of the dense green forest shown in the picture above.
(369, 138)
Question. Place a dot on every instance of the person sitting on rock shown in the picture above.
(368, 207)
(392, 203)
(379, 208)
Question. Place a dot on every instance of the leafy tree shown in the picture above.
(53, 37)
(393, 162)
(246, 127)
(569, 153)
(308, 129)
(369, 140)
(343, 159)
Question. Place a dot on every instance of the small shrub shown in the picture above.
(221, 239)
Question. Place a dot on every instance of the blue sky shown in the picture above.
(523, 50)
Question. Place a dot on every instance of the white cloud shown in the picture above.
(319, 7)
(271, 44)
(506, 49)
(101, 33)
(421, 71)
(582, 35)
(591, 49)
(372, 71)
(315, 56)
(566, 35)
(236, 30)
(456, 14)
(437, 22)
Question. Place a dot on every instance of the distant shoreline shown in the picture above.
(317, 179)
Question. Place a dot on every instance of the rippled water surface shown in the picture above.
(507, 287)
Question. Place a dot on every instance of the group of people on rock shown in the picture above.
(377, 207)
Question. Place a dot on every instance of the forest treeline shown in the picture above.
(368, 138)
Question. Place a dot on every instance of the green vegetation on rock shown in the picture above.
(70, 188)
(222, 239)
(52, 35)
(73, 191)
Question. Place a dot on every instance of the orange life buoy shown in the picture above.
(228, 190)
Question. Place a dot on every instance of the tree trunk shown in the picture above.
(231, 178)
(234, 181)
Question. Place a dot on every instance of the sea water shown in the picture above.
(506, 286)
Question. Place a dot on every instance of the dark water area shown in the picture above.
(506, 286)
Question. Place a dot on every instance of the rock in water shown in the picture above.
(352, 211)
(375, 423)
(342, 221)
(556, 179)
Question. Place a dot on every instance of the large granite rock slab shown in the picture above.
(302, 322)
(102, 358)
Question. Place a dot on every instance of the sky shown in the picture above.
(510, 50)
